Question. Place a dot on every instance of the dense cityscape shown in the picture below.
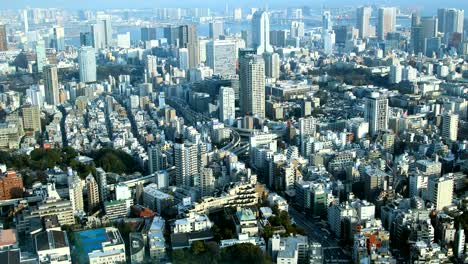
(293, 135)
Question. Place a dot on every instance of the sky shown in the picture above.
(427, 5)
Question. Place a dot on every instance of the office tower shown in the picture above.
(216, 29)
(51, 85)
(87, 63)
(343, 34)
(123, 40)
(3, 38)
(363, 21)
(440, 191)
(272, 65)
(221, 57)
(157, 159)
(307, 127)
(41, 58)
(430, 26)
(183, 59)
(98, 36)
(377, 113)
(252, 85)
(102, 184)
(75, 191)
(58, 38)
(32, 118)
(386, 22)
(93, 193)
(238, 14)
(422, 29)
(151, 66)
(185, 161)
(297, 29)
(171, 33)
(86, 39)
(148, 33)
(227, 108)
(104, 21)
(261, 32)
(329, 42)
(188, 38)
(450, 126)
(326, 21)
(278, 38)
(432, 46)
(34, 96)
(25, 21)
(395, 75)
(450, 20)
(417, 38)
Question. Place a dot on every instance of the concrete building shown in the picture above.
(93, 193)
(193, 223)
(272, 65)
(52, 246)
(440, 191)
(252, 85)
(100, 246)
(363, 21)
(450, 126)
(3, 38)
(227, 108)
(75, 191)
(386, 22)
(221, 57)
(51, 84)
(261, 32)
(156, 240)
(87, 64)
(216, 29)
(11, 185)
(185, 161)
(155, 199)
(377, 113)
(32, 118)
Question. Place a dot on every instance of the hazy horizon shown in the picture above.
(428, 6)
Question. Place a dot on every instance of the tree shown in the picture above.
(198, 247)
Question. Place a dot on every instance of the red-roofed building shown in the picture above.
(11, 186)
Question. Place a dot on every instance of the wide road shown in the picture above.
(332, 252)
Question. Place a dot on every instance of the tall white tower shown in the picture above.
(261, 32)
(87, 62)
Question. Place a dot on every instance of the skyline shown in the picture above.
(220, 5)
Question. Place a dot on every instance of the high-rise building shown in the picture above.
(459, 243)
(151, 66)
(440, 191)
(183, 59)
(206, 182)
(58, 38)
(297, 29)
(97, 32)
(148, 33)
(25, 21)
(422, 29)
(377, 113)
(32, 118)
(272, 65)
(186, 163)
(188, 38)
(3, 38)
(93, 192)
(106, 26)
(363, 21)
(41, 58)
(221, 57)
(227, 110)
(450, 20)
(86, 39)
(51, 85)
(326, 21)
(216, 29)
(450, 126)
(238, 14)
(386, 22)
(261, 32)
(123, 40)
(329, 38)
(252, 85)
(11, 185)
(87, 63)
(156, 159)
(395, 75)
(75, 190)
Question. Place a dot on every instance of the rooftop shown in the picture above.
(7, 237)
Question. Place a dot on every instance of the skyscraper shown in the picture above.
(272, 65)
(58, 38)
(183, 59)
(188, 38)
(450, 20)
(148, 33)
(377, 113)
(450, 126)
(216, 29)
(87, 63)
(151, 66)
(185, 161)
(51, 85)
(3, 38)
(221, 57)
(261, 32)
(326, 21)
(25, 21)
(440, 191)
(105, 21)
(32, 118)
(98, 36)
(41, 58)
(252, 85)
(297, 29)
(386, 22)
(363, 21)
(329, 41)
(227, 109)
(75, 191)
